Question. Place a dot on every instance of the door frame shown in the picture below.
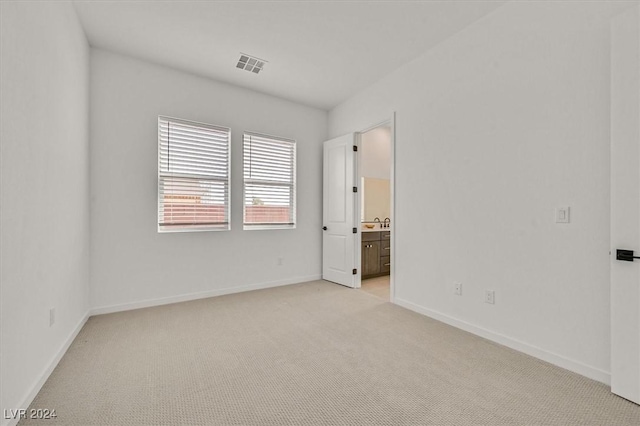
(391, 121)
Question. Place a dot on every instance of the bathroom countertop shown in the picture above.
(375, 229)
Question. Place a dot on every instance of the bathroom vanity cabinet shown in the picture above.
(376, 253)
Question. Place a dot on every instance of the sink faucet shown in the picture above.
(377, 219)
(387, 222)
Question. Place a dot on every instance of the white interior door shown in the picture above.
(338, 211)
(625, 204)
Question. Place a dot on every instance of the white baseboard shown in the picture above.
(199, 295)
(550, 357)
(27, 400)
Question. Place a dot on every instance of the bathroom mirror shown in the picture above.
(376, 199)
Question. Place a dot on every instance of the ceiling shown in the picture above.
(319, 53)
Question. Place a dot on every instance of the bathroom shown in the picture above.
(375, 213)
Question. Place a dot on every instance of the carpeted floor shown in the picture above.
(308, 354)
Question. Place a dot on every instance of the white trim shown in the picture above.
(273, 227)
(357, 214)
(380, 123)
(28, 399)
(199, 295)
(550, 357)
(194, 123)
(392, 213)
(265, 135)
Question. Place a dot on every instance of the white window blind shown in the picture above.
(193, 176)
(269, 182)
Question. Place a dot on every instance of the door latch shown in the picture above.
(625, 255)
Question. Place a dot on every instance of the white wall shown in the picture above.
(133, 265)
(375, 153)
(45, 190)
(495, 128)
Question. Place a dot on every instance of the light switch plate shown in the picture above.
(563, 215)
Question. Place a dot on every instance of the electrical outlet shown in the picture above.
(52, 316)
(457, 288)
(490, 297)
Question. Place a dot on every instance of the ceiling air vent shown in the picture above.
(250, 63)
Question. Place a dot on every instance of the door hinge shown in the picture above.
(355, 148)
(355, 189)
(355, 271)
(355, 230)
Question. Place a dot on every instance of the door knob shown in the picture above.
(324, 228)
(625, 255)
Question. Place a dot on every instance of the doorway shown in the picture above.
(343, 215)
(374, 178)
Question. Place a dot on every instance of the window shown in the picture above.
(269, 182)
(193, 176)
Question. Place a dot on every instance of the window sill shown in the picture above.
(266, 227)
(178, 229)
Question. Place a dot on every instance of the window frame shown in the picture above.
(293, 185)
(223, 226)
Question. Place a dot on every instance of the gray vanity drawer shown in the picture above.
(386, 235)
(371, 236)
(385, 264)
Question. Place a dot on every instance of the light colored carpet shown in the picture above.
(314, 353)
(378, 286)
